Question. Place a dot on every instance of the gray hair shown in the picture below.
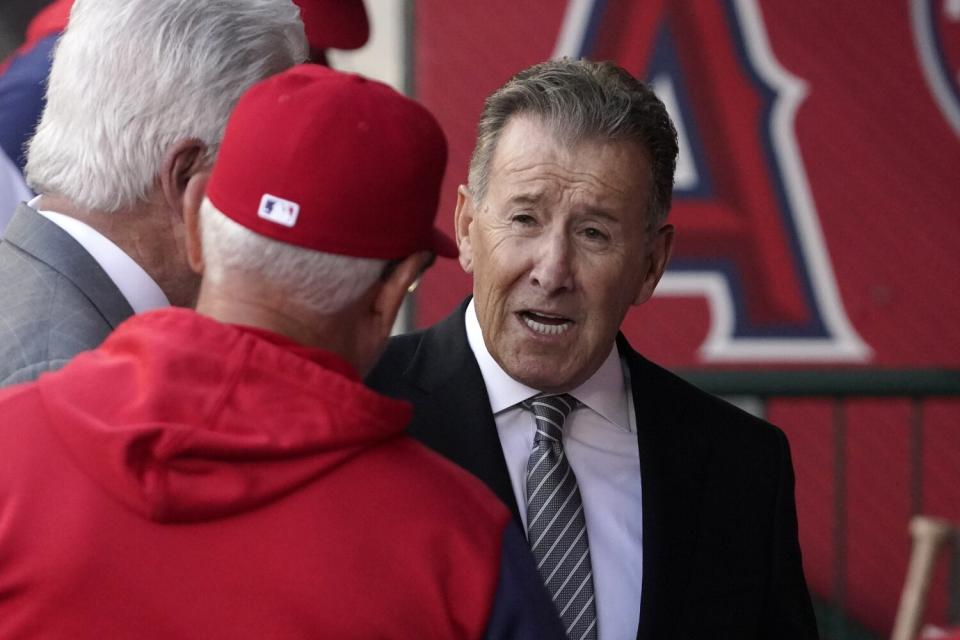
(581, 100)
(131, 77)
(323, 283)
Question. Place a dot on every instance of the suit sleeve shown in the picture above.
(521, 607)
(788, 612)
(31, 372)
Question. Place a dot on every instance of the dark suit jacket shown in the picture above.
(55, 300)
(720, 552)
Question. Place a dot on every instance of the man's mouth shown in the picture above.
(545, 323)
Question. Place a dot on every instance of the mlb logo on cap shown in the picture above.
(278, 210)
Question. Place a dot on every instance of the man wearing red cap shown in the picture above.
(225, 473)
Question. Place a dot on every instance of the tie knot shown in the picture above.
(550, 412)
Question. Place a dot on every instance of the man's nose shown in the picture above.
(552, 263)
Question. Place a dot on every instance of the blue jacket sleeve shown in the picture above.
(521, 608)
(23, 96)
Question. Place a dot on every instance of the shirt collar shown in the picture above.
(139, 289)
(604, 392)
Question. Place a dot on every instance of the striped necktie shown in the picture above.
(556, 528)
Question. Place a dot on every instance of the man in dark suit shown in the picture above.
(138, 95)
(655, 510)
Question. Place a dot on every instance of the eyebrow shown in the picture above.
(600, 213)
(526, 198)
(534, 197)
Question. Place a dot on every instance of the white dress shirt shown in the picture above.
(134, 283)
(600, 441)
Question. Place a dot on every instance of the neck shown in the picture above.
(270, 310)
(150, 233)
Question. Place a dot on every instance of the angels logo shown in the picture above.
(936, 30)
(750, 239)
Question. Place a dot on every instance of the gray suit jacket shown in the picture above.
(55, 300)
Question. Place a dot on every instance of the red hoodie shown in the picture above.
(190, 479)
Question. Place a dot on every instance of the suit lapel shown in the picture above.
(671, 470)
(454, 417)
(45, 241)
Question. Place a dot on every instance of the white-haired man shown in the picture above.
(224, 473)
(138, 95)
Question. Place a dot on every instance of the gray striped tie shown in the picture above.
(556, 527)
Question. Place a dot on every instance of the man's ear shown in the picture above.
(660, 249)
(393, 289)
(463, 217)
(192, 197)
(183, 160)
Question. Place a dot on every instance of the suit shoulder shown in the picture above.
(700, 410)
(401, 347)
(44, 318)
(387, 373)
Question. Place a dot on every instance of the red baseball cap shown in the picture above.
(333, 162)
(337, 24)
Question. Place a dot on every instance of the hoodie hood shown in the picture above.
(182, 418)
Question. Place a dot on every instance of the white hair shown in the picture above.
(131, 77)
(321, 282)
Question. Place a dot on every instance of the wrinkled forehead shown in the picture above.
(533, 156)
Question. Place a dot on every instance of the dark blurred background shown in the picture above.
(14, 17)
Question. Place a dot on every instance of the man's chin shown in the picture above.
(546, 376)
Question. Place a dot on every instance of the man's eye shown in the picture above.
(523, 218)
(593, 233)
